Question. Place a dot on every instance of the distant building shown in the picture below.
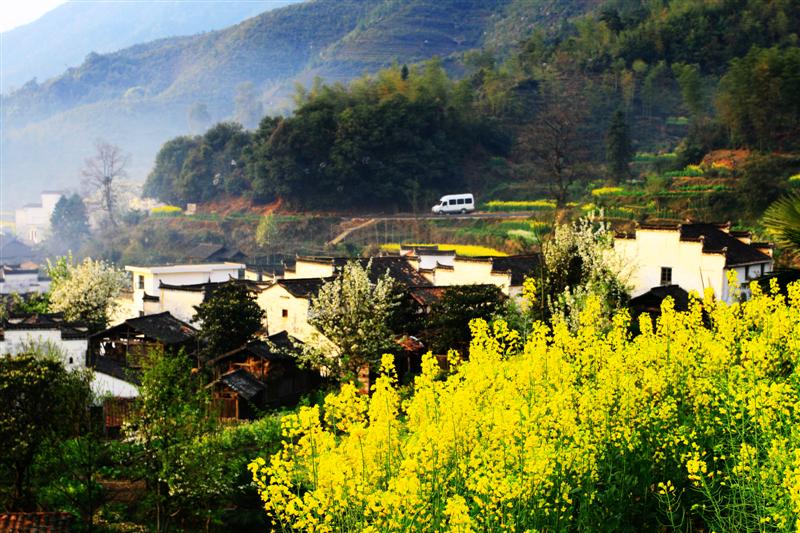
(15, 252)
(32, 221)
(215, 253)
(693, 256)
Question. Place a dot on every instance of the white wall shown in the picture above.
(692, 270)
(310, 269)
(23, 284)
(179, 303)
(73, 350)
(274, 300)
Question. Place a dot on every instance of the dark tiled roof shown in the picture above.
(427, 295)
(716, 240)
(162, 327)
(45, 321)
(243, 382)
(520, 266)
(209, 286)
(398, 268)
(273, 350)
(303, 287)
(650, 302)
(150, 298)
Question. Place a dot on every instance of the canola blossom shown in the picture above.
(688, 425)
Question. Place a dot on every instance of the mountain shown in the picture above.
(64, 36)
(141, 96)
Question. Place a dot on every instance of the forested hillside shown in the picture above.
(141, 96)
(565, 109)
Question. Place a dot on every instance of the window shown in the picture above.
(285, 313)
(460, 201)
(141, 282)
(452, 202)
(240, 273)
(666, 276)
(469, 200)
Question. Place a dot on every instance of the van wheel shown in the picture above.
(463, 211)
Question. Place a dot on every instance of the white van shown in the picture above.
(454, 203)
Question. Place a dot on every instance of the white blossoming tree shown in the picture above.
(86, 291)
(580, 262)
(352, 314)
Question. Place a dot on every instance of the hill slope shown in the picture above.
(140, 96)
(64, 36)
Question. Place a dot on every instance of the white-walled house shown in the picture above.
(693, 256)
(145, 294)
(22, 280)
(20, 334)
(32, 221)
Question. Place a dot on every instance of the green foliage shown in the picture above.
(171, 412)
(42, 403)
(619, 150)
(762, 180)
(448, 322)
(760, 98)
(266, 231)
(782, 220)
(229, 318)
(69, 223)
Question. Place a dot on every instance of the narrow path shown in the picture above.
(343, 235)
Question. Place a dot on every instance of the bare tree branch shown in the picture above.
(100, 172)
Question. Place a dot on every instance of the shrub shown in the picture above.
(520, 205)
(608, 191)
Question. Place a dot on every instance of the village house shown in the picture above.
(144, 296)
(70, 340)
(15, 252)
(120, 349)
(215, 253)
(693, 256)
(23, 279)
(32, 221)
(259, 375)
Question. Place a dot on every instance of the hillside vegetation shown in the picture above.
(141, 96)
(565, 112)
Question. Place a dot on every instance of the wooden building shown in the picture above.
(259, 375)
(119, 350)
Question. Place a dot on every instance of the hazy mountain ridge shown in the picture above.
(139, 97)
(64, 36)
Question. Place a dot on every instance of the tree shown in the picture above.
(229, 317)
(448, 323)
(782, 220)
(553, 141)
(760, 98)
(353, 314)
(87, 292)
(579, 264)
(69, 222)
(763, 179)
(170, 413)
(100, 173)
(266, 231)
(618, 147)
(42, 403)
